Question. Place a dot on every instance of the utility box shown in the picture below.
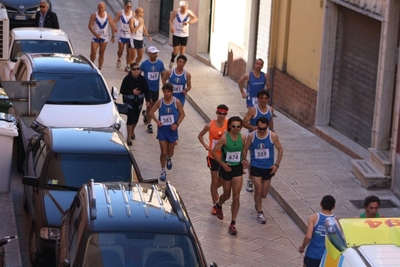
(4, 33)
(8, 130)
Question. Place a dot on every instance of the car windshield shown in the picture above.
(75, 89)
(38, 46)
(76, 169)
(140, 249)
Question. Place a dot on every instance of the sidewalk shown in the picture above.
(311, 167)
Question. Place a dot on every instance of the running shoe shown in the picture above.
(220, 214)
(214, 210)
(163, 176)
(232, 229)
(144, 117)
(127, 68)
(169, 163)
(118, 63)
(249, 186)
(261, 218)
(170, 64)
(150, 128)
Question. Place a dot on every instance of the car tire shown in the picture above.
(33, 253)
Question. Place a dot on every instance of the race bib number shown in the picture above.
(167, 119)
(254, 100)
(125, 29)
(261, 153)
(100, 32)
(233, 156)
(152, 76)
(178, 88)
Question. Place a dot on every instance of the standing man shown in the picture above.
(231, 161)
(134, 89)
(179, 78)
(98, 26)
(216, 129)
(152, 70)
(256, 80)
(137, 29)
(170, 116)
(315, 236)
(371, 205)
(261, 109)
(45, 18)
(123, 18)
(179, 24)
(263, 166)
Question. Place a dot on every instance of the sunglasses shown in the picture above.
(236, 126)
(135, 69)
(222, 114)
(262, 128)
(42, 6)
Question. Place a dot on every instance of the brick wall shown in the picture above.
(294, 99)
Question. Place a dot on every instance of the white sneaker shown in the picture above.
(127, 68)
(118, 63)
(261, 218)
(249, 186)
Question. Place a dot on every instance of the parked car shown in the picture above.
(59, 161)
(33, 40)
(362, 242)
(80, 97)
(128, 224)
(22, 13)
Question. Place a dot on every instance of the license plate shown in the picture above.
(20, 17)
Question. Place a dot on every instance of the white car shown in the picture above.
(80, 97)
(33, 40)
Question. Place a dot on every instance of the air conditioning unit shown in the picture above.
(4, 33)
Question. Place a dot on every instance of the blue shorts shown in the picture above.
(123, 40)
(181, 97)
(165, 133)
(101, 40)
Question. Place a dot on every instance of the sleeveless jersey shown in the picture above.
(254, 85)
(259, 114)
(101, 26)
(123, 26)
(138, 35)
(151, 71)
(316, 247)
(377, 215)
(232, 150)
(215, 134)
(180, 29)
(262, 151)
(168, 114)
(179, 84)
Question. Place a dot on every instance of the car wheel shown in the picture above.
(33, 254)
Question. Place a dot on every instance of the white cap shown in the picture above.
(182, 3)
(152, 49)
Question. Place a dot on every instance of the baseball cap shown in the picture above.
(152, 49)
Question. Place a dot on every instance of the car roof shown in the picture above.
(33, 33)
(60, 63)
(122, 207)
(80, 140)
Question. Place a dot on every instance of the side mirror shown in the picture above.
(30, 180)
(114, 92)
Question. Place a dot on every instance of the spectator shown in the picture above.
(315, 236)
(45, 18)
(371, 205)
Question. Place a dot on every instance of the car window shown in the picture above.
(139, 249)
(75, 88)
(38, 46)
(77, 169)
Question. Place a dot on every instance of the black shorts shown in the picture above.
(265, 174)
(137, 44)
(154, 96)
(236, 171)
(310, 262)
(212, 164)
(176, 40)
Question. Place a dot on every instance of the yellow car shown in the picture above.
(362, 242)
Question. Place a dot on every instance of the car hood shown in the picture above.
(89, 116)
(55, 203)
